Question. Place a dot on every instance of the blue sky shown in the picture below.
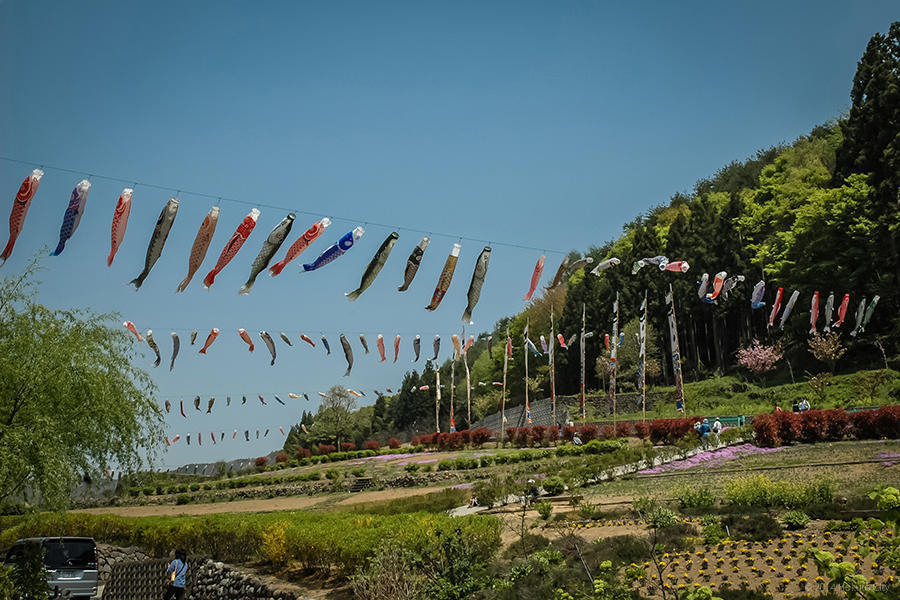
(547, 125)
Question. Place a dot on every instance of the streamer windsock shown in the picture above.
(490, 345)
(417, 347)
(197, 403)
(544, 345)
(152, 343)
(776, 306)
(436, 346)
(119, 224)
(457, 349)
(300, 245)
(468, 344)
(157, 240)
(676, 350)
(21, 204)
(730, 284)
(379, 343)
(212, 400)
(412, 264)
(281, 429)
(474, 293)
(181, 408)
(131, 327)
(446, 277)
(789, 307)
(396, 347)
(536, 277)
(210, 339)
(306, 339)
(247, 435)
(869, 312)
(279, 401)
(294, 396)
(200, 246)
(193, 337)
(759, 290)
(336, 250)
(813, 312)
(375, 266)
(365, 344)
(261, 400)
(704, 283)
(246, 337)
(286, 339)
(659, 261)
(168, 406)
(270, 344)
(227, 400)
(604, 265)
(829, 309)
(530, 345)
(188, 439)
(718, 284)
(860, 313)
(176, 345)
(267, 252)
(842, 311)
(606, 341)
(676, 266)
(234, 435)
(243, 400)
(348, 354)
(327, 346)
(72, 216)
(560, 271)
(562, 341)
(234, 244)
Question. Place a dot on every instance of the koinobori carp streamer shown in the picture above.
(234, 244)
(201, 246)
(336, 250)
(73, 214)
(21, 204)
(119, 224)
(375, 266)
(270, 247)
(302, 243)
(157, 240)
(445, 278)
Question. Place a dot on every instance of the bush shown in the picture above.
(695, 497)
(182, 499)
(358, 472)
(261, 462)
(671, 430)
(446, 465)
(282, 457)
(544, 508)
(795, 519)
(554, 485)
(589, 511)
(537, 434)
(642, 430)
(604, 447)
(523, 436)
(552, 434)
(620, 549)
(195, 487)
(760, 491)
(411, 467)
(481, 436)
(755, 528)
(348, 446)
(712, 530)
(589, 432)
(303, 453)
(607, 432)
(623, 429)
(332, 474)
(326, 449)
(782, 428)
(394, 443)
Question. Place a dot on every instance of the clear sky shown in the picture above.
(547, 125)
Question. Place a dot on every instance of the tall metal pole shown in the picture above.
(507, 348)
(437, 402)
(642, 362)
(552, 375)
(581, 402)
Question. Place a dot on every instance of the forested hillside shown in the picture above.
(819, 214)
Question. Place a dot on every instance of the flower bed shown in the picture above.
(711, 459)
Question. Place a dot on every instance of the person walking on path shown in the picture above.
(177, 576)
(705, 429)
(717, 429)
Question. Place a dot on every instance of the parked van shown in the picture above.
(71, 564)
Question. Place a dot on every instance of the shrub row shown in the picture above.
(316, 541)
(760, 491)
(453, 441)
(782, 428)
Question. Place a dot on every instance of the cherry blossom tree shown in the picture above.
(759, 359)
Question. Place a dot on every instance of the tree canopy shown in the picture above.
(72, 403)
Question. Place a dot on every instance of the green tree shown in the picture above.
(334, 421)
(71, 400)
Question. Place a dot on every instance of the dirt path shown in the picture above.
(257, 505)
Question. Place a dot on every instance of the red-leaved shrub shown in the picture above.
(347, 446)
(372, 445)
(303, 453)
(552, 434)
(261, 462)
(465, 436)
(568, 432)
(326, 449)
(623, 429)
(511, 434)
(588, 433)
(394, 443)
(607, 432)
(481, 435)
(282, 457)
(642, 430)
(765, 430)
(537, 434)
(522, 436)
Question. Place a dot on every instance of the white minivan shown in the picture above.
(71, 564)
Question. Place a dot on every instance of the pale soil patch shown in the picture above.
(391, 494)
(238, 506)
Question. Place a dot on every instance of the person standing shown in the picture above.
(177, 575)
(705, 429)
(717, 429)
(804, 405)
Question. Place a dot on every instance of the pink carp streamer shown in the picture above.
(21, 204)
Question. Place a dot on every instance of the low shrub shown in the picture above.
(554, 485)
(372, 445)
(195, 487)
(182, 499)
(348, 446)
(411, 467)
(446, 465)
(588, 433)
(620, 550)
(282, 457)
(623, 429)
(642, 430)
(603, 447)
(544, 508)
(713, 533)
(394, 443)
(795, 519)
(303, 453)
(260, 463)
(481, 436)
(526, 545)
(607, 432)
(760, 491)
(586, 510)
(332, 474)
(783, 428)
(326, 449)
(695, 497)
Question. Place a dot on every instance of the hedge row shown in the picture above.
(323, 542)
(453, 441)
(782, 428)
